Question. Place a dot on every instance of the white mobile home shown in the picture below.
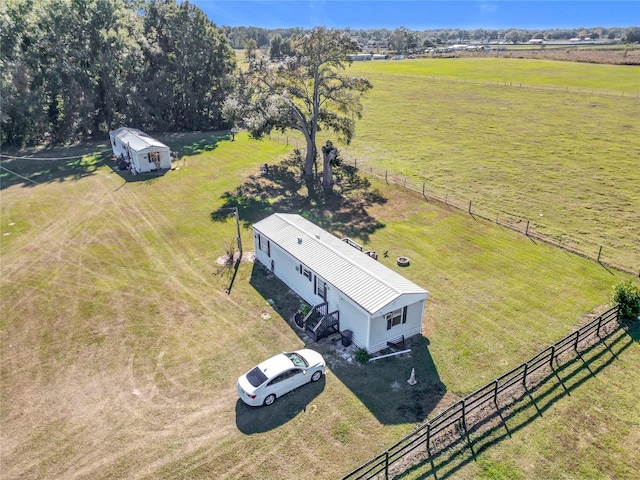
(140, 151)
(375, 303)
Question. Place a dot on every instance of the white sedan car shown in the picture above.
(279, 375)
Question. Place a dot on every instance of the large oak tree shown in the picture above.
(307, 91)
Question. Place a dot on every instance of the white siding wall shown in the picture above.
(140, 162)
(354, 319)
(117, 147)
(369, 334)
(379, 335)
(287, 269)
(143, 164)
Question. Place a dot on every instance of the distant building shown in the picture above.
(139, 151)
(358, 57)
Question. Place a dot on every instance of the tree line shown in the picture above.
(71, 69)
(402, 39)
(74, 69)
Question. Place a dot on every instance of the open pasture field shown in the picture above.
(574, 76)
(627, 54)
(121, 345)
(565, 161)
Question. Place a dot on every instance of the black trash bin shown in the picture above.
(346, 337)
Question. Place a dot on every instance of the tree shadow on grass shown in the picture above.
(50, 167)
(194, 143)
(281, 190)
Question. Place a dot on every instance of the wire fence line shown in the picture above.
(606, 255)
(507, 83)
(483, 409)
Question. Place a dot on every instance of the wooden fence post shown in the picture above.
(386, 465)
(470, 207)
(385, 177)
(527, 230)
(599, 325)
(599, 252)
(466, 431)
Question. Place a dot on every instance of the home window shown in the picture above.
(396, 317)
(305, 272)
(321, 290)
(264, 245)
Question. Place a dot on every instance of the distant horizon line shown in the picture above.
(429, 29)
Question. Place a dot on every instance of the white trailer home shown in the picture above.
(345, 285)
(140, 151)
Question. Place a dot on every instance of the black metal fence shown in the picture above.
(474, 412)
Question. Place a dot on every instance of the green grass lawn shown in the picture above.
(121, 345)
(558, 435)
(582, 77)
(565, 161)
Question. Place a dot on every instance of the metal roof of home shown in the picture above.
(366, 281)
(136, 139)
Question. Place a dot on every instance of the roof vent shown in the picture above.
(299, 240)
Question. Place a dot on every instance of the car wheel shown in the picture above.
(270, 399)
(316, 376)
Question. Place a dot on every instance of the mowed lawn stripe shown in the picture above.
(121, 347)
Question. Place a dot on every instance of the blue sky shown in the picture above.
(423, 14)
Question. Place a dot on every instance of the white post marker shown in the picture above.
(412, 379)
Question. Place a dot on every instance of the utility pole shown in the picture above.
(237, 215)
(235, 210)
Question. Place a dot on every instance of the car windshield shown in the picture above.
(297, 359)
(256, 377)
